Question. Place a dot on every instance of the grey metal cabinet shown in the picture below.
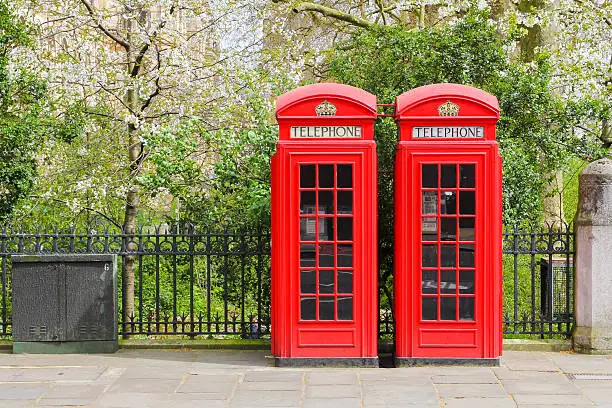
(64, 303)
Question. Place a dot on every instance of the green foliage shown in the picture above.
(173, 158)
(535, 130)
(24, 113)
(21, 96)
(73, 124)
(570, 187)
(238, 187)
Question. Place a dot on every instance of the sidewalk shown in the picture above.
(218, 378)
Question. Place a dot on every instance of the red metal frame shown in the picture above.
(340, 337)
(464, 336)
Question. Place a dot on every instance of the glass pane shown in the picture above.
(467, 174)
(430, 308)
(345, 229)
(466, 308)
(345, 176)
(307, 176)
(307, 202)
(430, 202)
(308, 281)
(429, 255)
(345, 281)
(448, 255)
(429, 229)
(326, 255)
(345, 255)
(448, 229)
(308, 308)
(466, 229)
(448, 283)
(345, 308)
(466, 281)
(429, 282)
(307, 229)
(449, 175)
(430, 176)
(345, 202)
(448, 202)
(467, 202)
(448, 308)
(326, 281)
(307, 255)
(466, 255)
(326, 229)
(326, 202)
(326, 308)
(326, 175)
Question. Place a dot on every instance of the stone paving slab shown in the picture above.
(281, 375)
(515, 360)
(30, 391)
(504, 373)
(333, 391)
(50, 374)
(331, 377)
(145, 385)
(448, 391)
(271, 386)
(576, 363)
(212, 379)
(540, 387)
(488, 378)
(548, 400)
(266, 398)
(477, 402)
(332, 403)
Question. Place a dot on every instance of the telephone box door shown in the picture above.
(328, 257)
(448, 260)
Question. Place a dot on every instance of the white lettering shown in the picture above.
(306, 132)
(457, 132)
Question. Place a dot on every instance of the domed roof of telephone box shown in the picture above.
(350, 101)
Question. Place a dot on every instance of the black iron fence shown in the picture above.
(187, 281)
(199, 282)
(538, 267)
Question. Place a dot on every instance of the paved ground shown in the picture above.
(211, 379)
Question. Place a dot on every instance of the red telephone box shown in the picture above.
(448, 232)
(324, 268)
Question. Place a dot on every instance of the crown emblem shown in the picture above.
(325, 108)
(448, 109)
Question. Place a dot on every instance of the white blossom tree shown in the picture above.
(132, 69)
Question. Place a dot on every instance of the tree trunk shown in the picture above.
(129, 229)
(132, 199)
(606, 135)
(554, 215)
(536, 37)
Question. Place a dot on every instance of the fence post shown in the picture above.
(593, 300)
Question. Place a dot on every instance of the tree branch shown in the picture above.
(381, 9)
(145, 48)
(101, 214)
(107, 32)
(157, 90)
(329, 12)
